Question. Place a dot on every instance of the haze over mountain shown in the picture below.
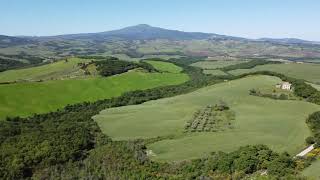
(147, 32)
(141, 40)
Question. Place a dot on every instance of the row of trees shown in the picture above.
(256, 92)
(248, 65)
(313, 122)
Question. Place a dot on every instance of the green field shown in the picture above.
(306, 71)
(214, 72)
(278, 124)
(165, 66)
(56, 70)
(317, 86)
(313, 171)
(215, 64)
(26, 98)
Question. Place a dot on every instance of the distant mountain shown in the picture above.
(7, 41)
(146, 32)
(288, 41)
(138, 41)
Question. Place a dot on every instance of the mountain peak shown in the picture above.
(142, 26)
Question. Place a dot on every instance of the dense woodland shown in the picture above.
(14, 61)
(68, 144)
(114, 66)
(6, 64)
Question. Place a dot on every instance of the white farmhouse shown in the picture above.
(284, 86)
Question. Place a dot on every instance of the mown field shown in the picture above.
(306, 71)
(165, 66)
(23, 99)
(215, 64)
(313, 171)
(57, 70)
(215, 72)
(278, 124)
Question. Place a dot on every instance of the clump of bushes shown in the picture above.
(112, 67)
(255, 92)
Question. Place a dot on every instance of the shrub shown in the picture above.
(310, 140)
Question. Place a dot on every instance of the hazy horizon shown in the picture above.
(248, 18)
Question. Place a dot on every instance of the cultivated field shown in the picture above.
(215, 72)
(280, 124)
(57, 70)
(215, 64)
(307, 71)
(34, 97)
(165, 66)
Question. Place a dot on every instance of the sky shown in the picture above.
(243, 18)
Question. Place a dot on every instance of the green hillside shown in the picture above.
(57, 70)
(215, 64)
(313, 170)
(278, 124)
(165, 66)
(24, 99)
(306, 71)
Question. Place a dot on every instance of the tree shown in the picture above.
(310, 140)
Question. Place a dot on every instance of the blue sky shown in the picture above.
(244, 18)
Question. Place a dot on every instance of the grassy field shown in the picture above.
(56, 70)
(317, 86)
(307, 71)
(215, 64)
(313, 171)
(165, 66)
(26, 98)
(215, 72)
(278, 124)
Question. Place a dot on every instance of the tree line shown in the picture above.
(248, 65)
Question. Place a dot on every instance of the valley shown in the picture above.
(278, 124)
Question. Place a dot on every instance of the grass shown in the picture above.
(165, 66)
(24, 99)
(56, 70)
(215, 64)
(313, 170)
(306, 71)
(215, 72)
(317, 86)
(279, 124)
